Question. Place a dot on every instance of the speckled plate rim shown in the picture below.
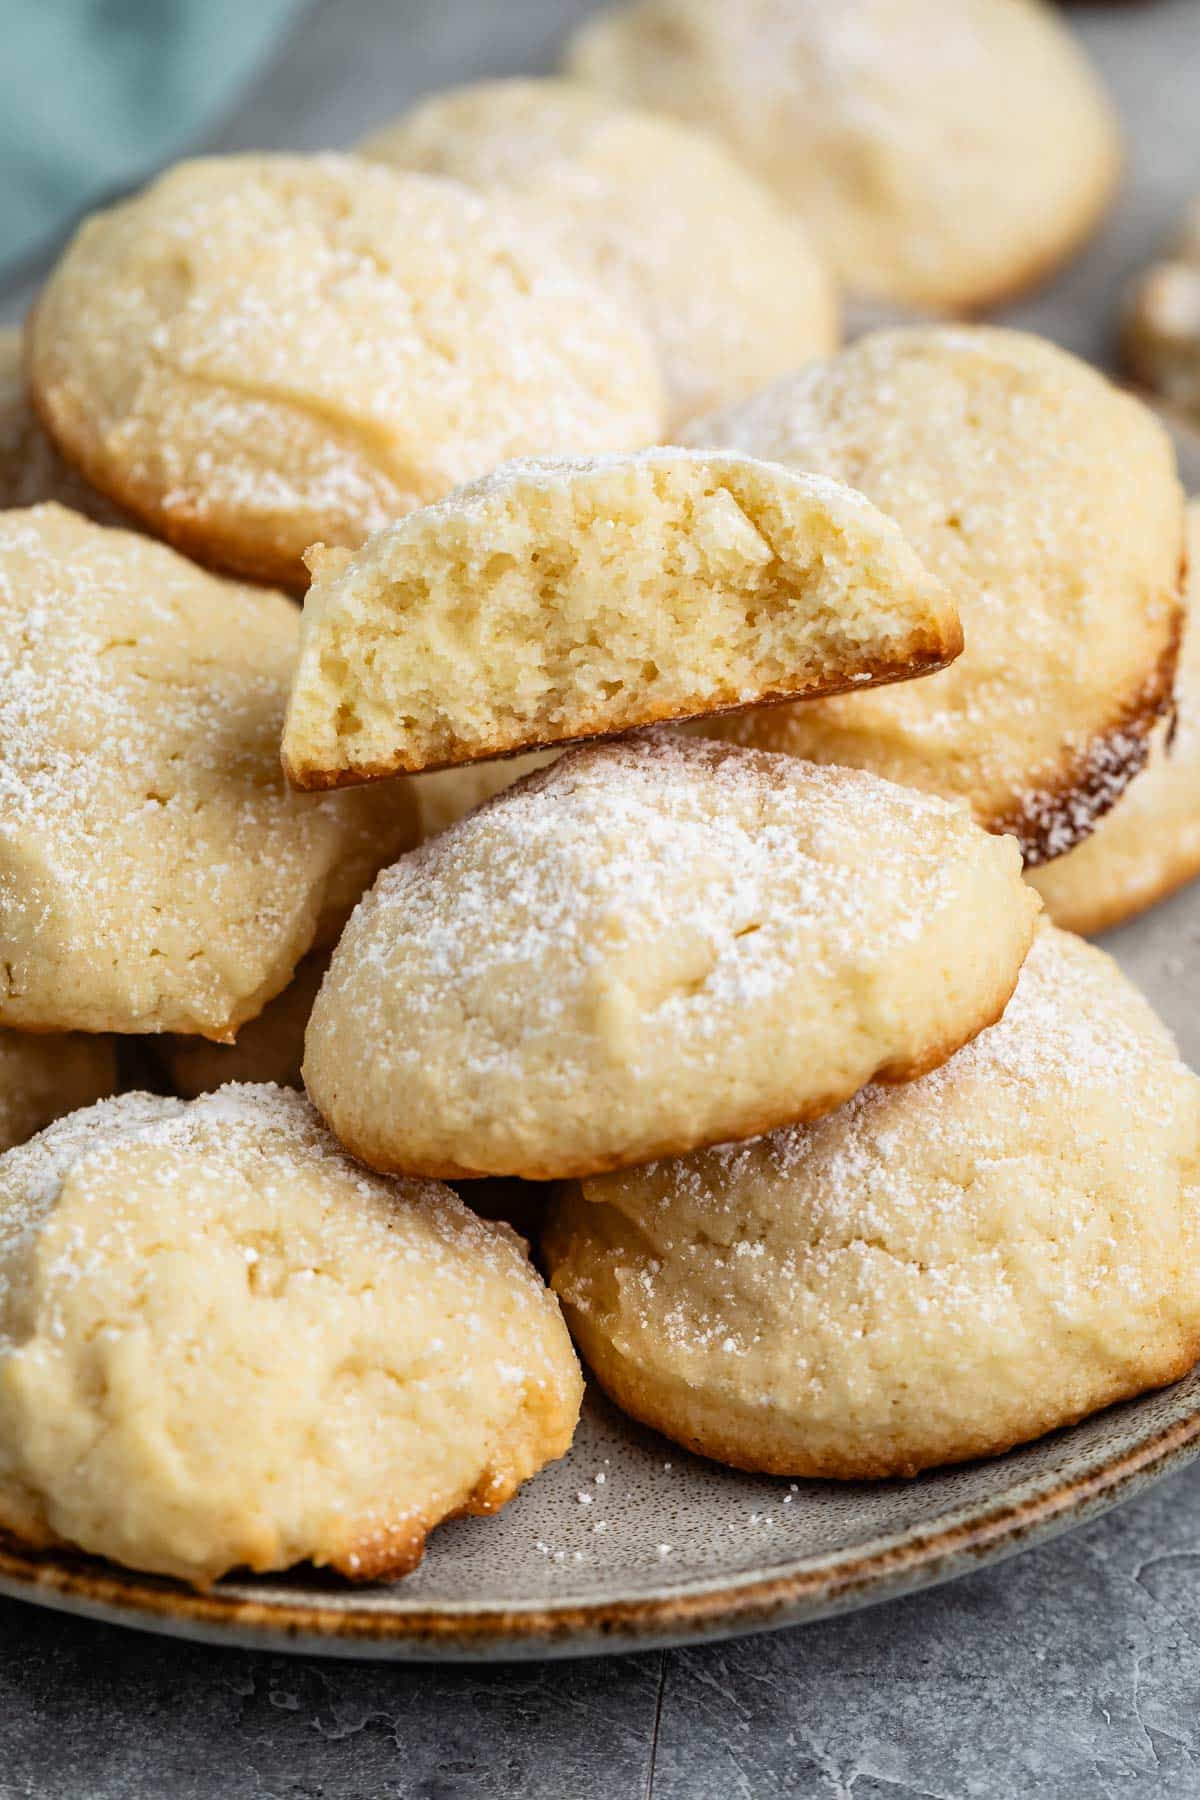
(813, 1587)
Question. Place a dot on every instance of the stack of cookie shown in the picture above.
(849, 1165)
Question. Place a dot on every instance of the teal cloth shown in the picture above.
(96, 94)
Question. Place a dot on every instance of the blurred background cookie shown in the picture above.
(1160, 339)
(945, 154)
(156, 872)
(726, 278)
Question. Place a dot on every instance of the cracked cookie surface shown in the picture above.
(260, 353)
(167, 1268)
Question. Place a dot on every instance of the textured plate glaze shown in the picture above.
(629, 1543)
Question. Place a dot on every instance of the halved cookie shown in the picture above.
(169, 1270)
(557, 601)
(1149, 844)
(1048, 504)
(654, 944)
(156, 871)
(933, 1273)
(260, 352)
(724, 276)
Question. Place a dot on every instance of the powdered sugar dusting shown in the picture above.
(293, 349)
(268, 1136)
(654, 943)
(155, 869)
(1005, 463)
(653, 842)
(935, 1271)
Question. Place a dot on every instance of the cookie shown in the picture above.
(268, 1049)
(1048, 504)
(654, 944)
(944, 154)
(1149, 844)
(156, 872)
(43, 1076)
(31, 470)
(934, 1273)
(167, 1268)
(1160, 337)
(724, 277)
(562, 600)
(258, 353)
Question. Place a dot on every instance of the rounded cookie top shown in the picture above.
(168, 1267)
(1160, 337)
(1149, 844)
(156, 873)
(262, 352)
(943, 156)
(1048, 504)
(724, 276)
(656, 944)
(446, 794)
(933, 1273)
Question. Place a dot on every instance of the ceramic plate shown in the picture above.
(629, 1543)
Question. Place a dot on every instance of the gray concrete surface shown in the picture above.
(1069, 1673)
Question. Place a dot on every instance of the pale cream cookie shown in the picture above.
(933, 1273)
(156, 872)
(562, 600)
(945, 154)
(654, 944)
(724, 276)
(1149, 844)
(44, 1075)
(1047, 502)
(261, 352)
(224, 1344)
